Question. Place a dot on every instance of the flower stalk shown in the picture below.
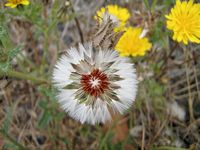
(23, 76)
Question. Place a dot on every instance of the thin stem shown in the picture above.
(23, 76)
(46, 41)
(45, 49)
(79, 29)
(190, 100)
(77, 24)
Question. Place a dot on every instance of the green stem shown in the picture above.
(4, 134)
(168, 148)
(23, 76)
(45, 49)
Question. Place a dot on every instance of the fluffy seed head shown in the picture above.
(94, 83)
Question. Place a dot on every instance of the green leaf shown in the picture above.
(42, 104)
(45, 119)
(8, 119)
(147, 5)
(156, 66)
(50, 93)
(12, 146)
(7, 57)
(4, 38)
(2, 32)
(59, 116)
(4, 66)
(154, 4)
(64, 140)
(13, 52)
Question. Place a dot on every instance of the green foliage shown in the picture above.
(156, 66)
(155, 93)
(160, 35)
(2, 16)
(31, 13)
(154, 88)
(4, 132)
(7, 52)
(45, 119)
(49, 107)
(7, 57)
(147, 4)
(8, 119)
(4, 38)
(168, 3)
(151, 91)
(152, 4)
(105, 141)
(8, 146)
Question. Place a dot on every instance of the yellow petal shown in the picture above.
(25, 2)
(11, 5)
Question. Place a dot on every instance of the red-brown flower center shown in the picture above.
(95, 83)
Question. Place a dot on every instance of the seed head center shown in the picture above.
(94, 83)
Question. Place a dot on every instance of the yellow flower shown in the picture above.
(14, 3)
(117, 14)
(133, 43)
(184, 21)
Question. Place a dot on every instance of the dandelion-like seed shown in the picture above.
(15, 3)
(184, 21)
(94, 83)
(133, 43)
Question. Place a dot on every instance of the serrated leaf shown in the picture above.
(4, 66)
(13, 52)
(4, 38)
